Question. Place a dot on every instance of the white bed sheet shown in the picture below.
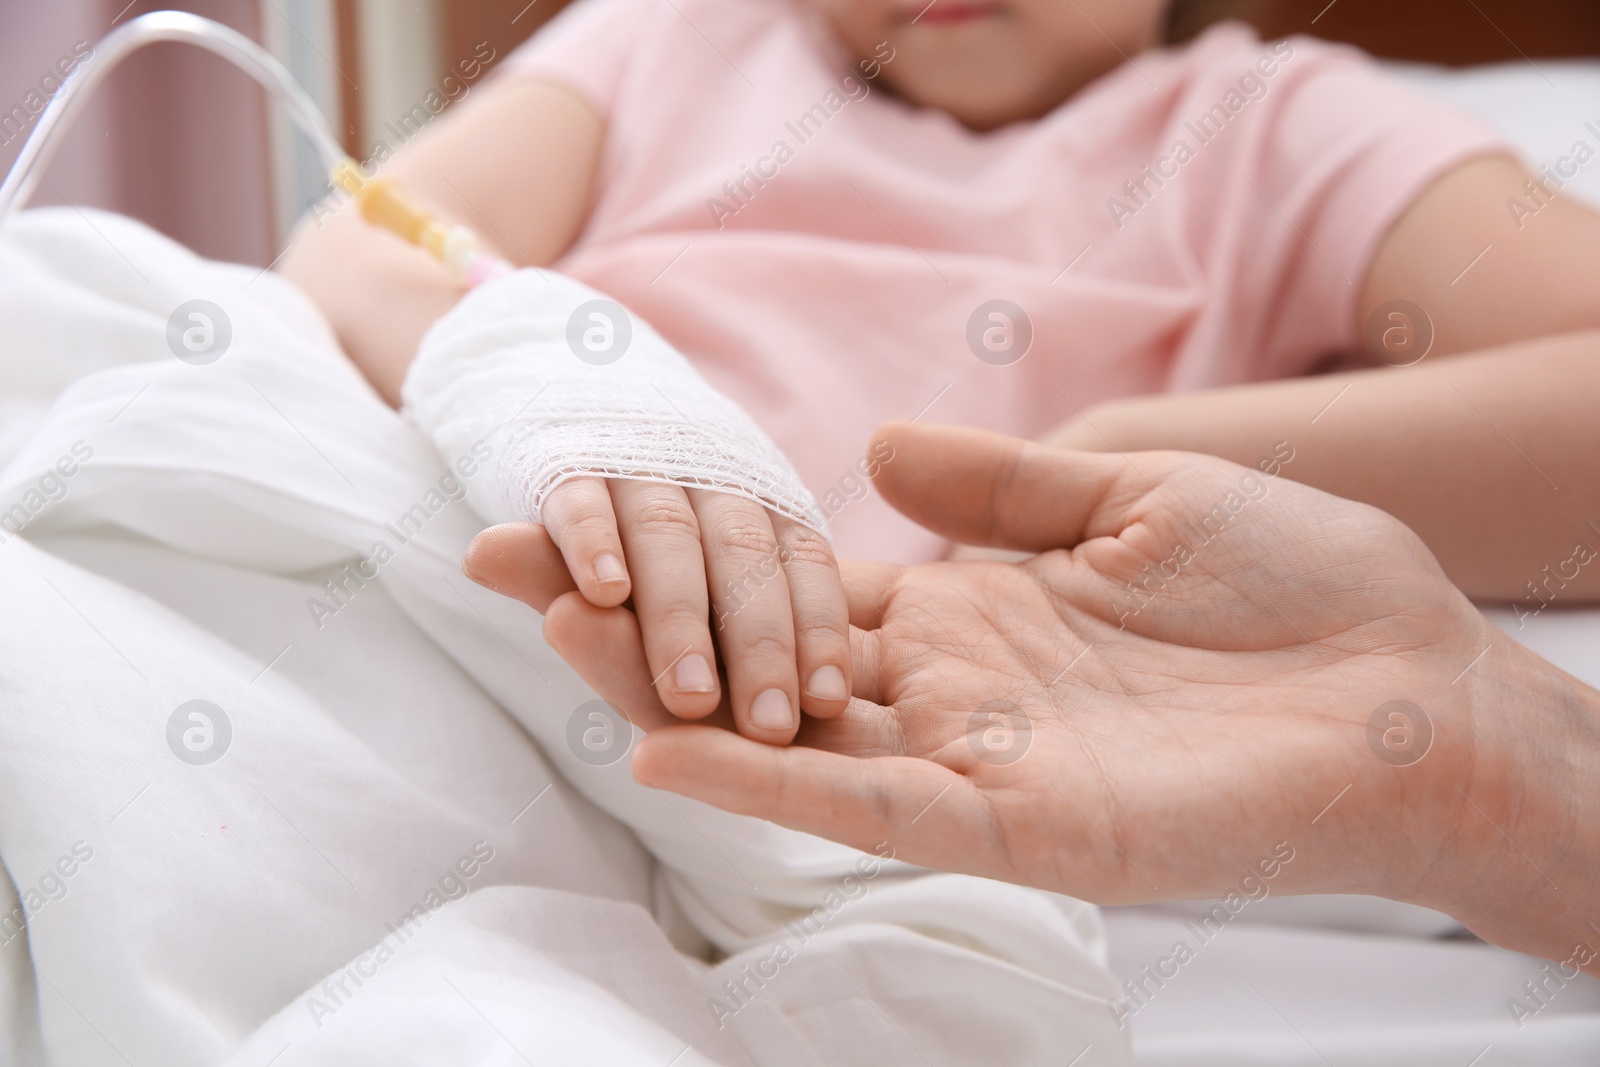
(250, 909)
(1314, 980)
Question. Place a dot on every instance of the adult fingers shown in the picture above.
(865, 728)
(982, 488)
(519, 560)
(868, 588)
(866, 663)
(755, 618)
(661, 537)
(869, 591)
(606, 649)
(581, 521)
(821, 617)
(604, 646)
(928, 814)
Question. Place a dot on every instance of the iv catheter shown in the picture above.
(381, 200)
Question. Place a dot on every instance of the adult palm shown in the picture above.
(1183, 678)
(1202, 665)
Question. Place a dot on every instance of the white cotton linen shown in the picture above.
(561, 382)
(183, 943)
(319, 894)
(1347, 981)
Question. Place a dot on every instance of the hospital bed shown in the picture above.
(440, 875)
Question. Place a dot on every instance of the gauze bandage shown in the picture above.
(554, 381)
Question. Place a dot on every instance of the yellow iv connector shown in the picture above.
(384, 203)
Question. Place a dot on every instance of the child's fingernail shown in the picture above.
(608, 568)
(827, 683)
(693, 675)
(771, 710)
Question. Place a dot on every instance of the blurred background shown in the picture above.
(179, 139)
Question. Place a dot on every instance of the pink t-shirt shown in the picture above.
(829, 256)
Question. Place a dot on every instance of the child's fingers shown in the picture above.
(821, 618)
(579, 516)
(755, 622)
(662, 538)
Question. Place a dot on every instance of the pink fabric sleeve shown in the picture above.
(1352, 152)
(584, 48)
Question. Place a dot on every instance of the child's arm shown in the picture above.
(516, 163)
(1493, 456)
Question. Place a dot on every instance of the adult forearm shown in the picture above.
(1525, 871)
(1491, 457)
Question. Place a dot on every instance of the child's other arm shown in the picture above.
(515, 161)
(1488, 448)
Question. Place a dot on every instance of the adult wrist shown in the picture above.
(1524, 868)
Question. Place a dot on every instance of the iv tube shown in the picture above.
(381, 200)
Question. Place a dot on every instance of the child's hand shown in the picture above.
(534, 376)
(688, 556)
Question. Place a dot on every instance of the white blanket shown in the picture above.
(379, 836)
(228, 909)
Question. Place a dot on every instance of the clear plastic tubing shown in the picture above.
(132, 36)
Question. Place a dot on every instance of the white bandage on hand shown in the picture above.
(561, 382)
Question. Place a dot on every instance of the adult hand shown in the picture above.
(1182, 678)
(1200, 663)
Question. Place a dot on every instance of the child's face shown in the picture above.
(989, 62)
